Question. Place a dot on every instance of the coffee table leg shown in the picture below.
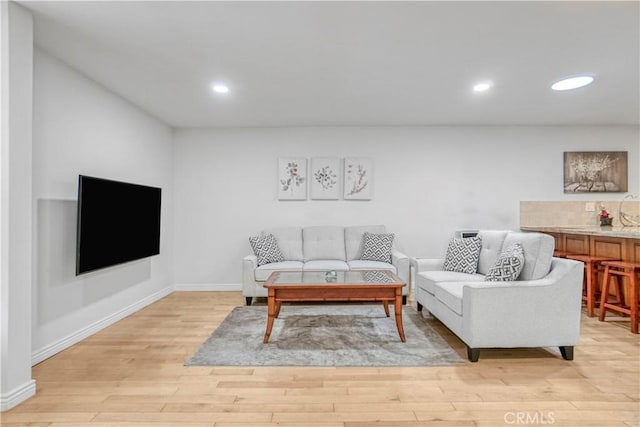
(398, 312)
(385, 303)
(278, 305)
(271, 310)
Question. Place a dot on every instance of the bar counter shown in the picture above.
(623, 232)
(621, 243)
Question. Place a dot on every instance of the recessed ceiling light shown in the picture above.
(572, 83)
(482, 87)
(220, 88)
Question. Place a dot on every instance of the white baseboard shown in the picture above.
(66, 342)
(208, 287)
(17, 395)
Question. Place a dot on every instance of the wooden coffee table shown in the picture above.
(365, 285)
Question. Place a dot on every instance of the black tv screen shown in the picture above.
(117, 222)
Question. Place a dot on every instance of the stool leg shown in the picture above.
(590, 289)
(598, 284)
(633, 280)
(605, 294)
(620, 291)
(584, 285)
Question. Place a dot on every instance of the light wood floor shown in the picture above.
(132, 374)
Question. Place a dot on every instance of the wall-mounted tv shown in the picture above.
(117, 222)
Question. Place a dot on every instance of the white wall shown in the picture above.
(15, 205)
(428, 181)
(80, 127)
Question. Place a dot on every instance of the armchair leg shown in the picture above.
(248, 300)
(404, 300)
(473, 354)
(419, 306)
(567, 352)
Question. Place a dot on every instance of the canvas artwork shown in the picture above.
(358, 174)
(325, 178)
(292, 179)
(595, 172)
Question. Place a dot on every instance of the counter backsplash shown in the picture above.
(572, 214)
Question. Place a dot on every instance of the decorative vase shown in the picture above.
(331, 276)
(606, 221)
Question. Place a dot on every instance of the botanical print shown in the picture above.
(595, 171)
(292, 179)
(325, 172)
(357, 179)
(326, 177)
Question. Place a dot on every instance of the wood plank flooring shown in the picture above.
(132, 374)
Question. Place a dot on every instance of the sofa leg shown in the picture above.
(419, 306)
(248, 300)
(404, 300)
(567, 352)
(473, 354)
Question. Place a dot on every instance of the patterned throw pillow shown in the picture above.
(508, 266)
(266, 249)
(463, 255)
(379, 276)
(377, 247)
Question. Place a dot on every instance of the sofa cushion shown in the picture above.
(450, 294)
(492, 241)
(462, 255)
(538, 251)
(289, 240)
(322, 243)
(266, 249)
(353, 238)
(427, 279)
(357, 264)
(262, 273)
(377, 246)
(326, 265)
(508, 266)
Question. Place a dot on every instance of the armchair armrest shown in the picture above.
(401, 262)
(427, 264)
(249, 264)
(250, 261)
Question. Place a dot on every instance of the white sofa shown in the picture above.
(539, 309)
(316, 249)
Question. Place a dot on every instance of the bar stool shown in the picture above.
(592, 265)
(619, 270)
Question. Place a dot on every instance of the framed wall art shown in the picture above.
(595, 172)
(292, 178)
(358, 179)
(325, 178)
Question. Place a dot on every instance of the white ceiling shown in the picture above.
(354, 63)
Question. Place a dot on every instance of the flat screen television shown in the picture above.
(118, 222)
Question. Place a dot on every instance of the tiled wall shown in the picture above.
(572, 214)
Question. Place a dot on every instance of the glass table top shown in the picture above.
(323, 277)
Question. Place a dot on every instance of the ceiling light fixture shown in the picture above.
(572, 82)
(482, 87)
(220, 88)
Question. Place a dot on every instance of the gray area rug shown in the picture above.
(324, 335)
